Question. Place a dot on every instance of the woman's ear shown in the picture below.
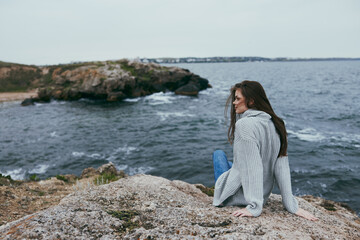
(251, 103)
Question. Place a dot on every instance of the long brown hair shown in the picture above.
(255, 98)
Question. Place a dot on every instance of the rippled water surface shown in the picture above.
(174, 136)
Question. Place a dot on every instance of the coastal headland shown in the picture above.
(106, 204)
(107, 80)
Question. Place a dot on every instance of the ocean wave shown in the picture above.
(345, 137)
(39, 169)
(16, 174)
(352, 184)
(308, 134)
(343, 168)
(343, 117)
(332, 138)
(166, 115)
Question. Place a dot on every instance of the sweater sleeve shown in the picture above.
(282, 176)
(248, 160)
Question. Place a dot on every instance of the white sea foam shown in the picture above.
(139, 170)
(16, 174)
(39, 169)
(303, 171)
(78, 154)
(121, 152)
(127, 150)
(95, 155)
(81, 154)
(162, 98)
(308, 134)
(159, 98)
(132, 99)
(334, 138)
(133, 170)
(166, 115)
(112, 158)
(121, 167)
(56, 102)
(53, 134)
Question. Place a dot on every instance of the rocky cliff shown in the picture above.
(110, 80)
(149, 207)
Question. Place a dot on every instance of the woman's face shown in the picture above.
(240, 102)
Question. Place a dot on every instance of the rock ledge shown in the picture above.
(149, 207)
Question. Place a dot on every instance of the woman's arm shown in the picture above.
(282, 175)
(248, 161)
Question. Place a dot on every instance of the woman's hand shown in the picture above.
(305, 214)
(242, 213)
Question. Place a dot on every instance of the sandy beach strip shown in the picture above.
(16, 96)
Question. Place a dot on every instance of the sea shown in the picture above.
(174, 136)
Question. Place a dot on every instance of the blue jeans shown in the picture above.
(221, 164)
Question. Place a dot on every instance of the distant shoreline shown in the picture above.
(237, 59)
(16, 96)
(165, 60)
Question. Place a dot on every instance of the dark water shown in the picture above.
(174, 136)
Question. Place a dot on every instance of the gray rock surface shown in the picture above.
(149, 207)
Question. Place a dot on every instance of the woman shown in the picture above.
(259, 141)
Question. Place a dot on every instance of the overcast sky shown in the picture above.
(62, 31)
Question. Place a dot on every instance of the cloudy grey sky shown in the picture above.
(61, 31)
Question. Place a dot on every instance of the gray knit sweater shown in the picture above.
(256, 166)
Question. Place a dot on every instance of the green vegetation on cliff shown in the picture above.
(16, 77)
